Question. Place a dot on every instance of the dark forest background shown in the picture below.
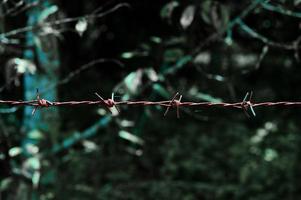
(208, 50)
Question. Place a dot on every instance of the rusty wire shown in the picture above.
(246, 104)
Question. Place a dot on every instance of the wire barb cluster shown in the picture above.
(175, 102)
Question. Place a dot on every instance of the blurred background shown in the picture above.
(148, 50)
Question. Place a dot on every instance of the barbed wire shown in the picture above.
(246, 104)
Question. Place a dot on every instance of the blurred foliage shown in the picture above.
(206, 50)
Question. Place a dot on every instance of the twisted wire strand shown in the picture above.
(167, 103)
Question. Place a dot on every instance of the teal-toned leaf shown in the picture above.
(173, 55)
(216, 15)
(183, 61)
(36, 179)
(33, 163)
(175, 41)
(145, 47)
(207, 97)
(151, 74)
(261, 133)
(133, 81)
(161, 90)
(126, 123)
(89, 146)
(270, 155)
(14, 151)
(102, 111)
(31, 148)
(127, 55)
(155, 39)
(202, 96)
(47, 12)
(205, 11)
(132, 54)
(48, 177)
(179, 64)
(228, 40)
(35, 134)
(130, 137)
(167, 10)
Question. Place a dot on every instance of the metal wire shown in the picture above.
(246, 104)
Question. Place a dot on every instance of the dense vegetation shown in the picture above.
(206, 50)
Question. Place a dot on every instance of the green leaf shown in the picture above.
(202, 96)
(48, 177)
(130, 137)
(224, 17)
(36, 179)
(161, 90)
(127, 55)
(208, 97)
(23, 65)
(297, 2)
(5, 184)
(133, 81)
(132, 54)
(270, 154)
(172, 55)
(33, 163)
(179, 64)
(203, 58)
(155, 39)
(35, 134)
(81, 26)
(215, 14)
(2, 156)
(14, 151)
(205, 11)
(167, 10)
(187, 16)
(151, 74)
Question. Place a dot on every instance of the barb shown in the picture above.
(40, 103)
(246, 104)
(174, 103)
(108, 103)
